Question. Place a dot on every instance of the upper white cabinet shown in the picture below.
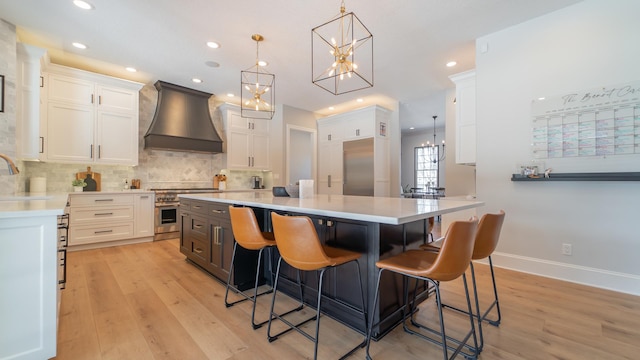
(248, 146)
(90, 118)
(29, 82)
(465, 116)
(333, 131)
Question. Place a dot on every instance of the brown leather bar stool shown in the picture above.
(448, 264)
(485, 244)
(248, 235)
(300, 247)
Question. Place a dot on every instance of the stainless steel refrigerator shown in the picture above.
(358, 167)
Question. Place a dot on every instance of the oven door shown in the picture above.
(167, 221)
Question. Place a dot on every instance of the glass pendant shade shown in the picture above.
(342, 54)
(257, 93)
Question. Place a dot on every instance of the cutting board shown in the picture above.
(92, 179)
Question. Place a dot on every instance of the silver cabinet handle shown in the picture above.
(103, 214)
(41, 144)
(197, 226)
(196, 206)
(96, 200)
(103, 232)
(92, 98)
(197, 250)
(218, 211)
(99, 99)
(329, 180)
(91, 151)
(144, 197)
(329, 137)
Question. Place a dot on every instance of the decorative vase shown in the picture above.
(77, 188)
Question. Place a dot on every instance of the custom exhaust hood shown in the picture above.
(182, 121)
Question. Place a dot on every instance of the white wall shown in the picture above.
(591, 44)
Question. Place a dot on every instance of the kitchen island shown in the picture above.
(29, 275)
(377, 227)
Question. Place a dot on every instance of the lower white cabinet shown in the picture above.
(28, 278)
(104, 219)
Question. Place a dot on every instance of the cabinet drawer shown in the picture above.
(200, 250)
(93, 234)
(199, 207)
(100, 199)
(199, 226)
(91, 215)
(219, 210)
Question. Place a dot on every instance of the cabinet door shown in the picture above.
(117, 99)
(221, 247)
(260, 151)
(144, 206)
(361, 126)
(117, 138)
(70, 132)
(238, 155)
(71, 90)
(330, 168)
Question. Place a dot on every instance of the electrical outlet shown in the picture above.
(566, 249)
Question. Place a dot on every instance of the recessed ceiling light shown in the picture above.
(79, 45)
(230, 95)
(331, 108)
(263, 63)
(359, 100)
(412, 128)
(213, 44)
(196, 80)
(541, 98)
(82, 4)
(212, 64)
(131, 69)
(451, 64)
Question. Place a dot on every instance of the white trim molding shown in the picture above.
(605, 279)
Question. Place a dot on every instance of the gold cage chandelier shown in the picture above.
(257, 93)
(342, 54)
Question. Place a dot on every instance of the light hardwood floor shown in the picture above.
(144, 301)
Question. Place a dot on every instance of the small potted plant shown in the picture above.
(78, 185)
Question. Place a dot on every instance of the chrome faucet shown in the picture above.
(12, 167)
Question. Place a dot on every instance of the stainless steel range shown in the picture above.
(167, 216)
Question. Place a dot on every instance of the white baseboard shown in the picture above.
(605, 279)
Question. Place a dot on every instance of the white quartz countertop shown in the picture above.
(30, 205)
(118, 192)
(384, 210)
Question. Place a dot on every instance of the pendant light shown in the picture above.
(257, 88)
(342, 54)
(440, 155)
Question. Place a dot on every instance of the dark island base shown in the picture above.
(207, 241)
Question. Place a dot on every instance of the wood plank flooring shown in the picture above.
(145, 301)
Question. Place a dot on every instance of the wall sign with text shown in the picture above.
(596, 122)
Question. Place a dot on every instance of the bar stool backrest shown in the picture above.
(298, 242)
(245, 228)
(455, 254)
(488, 235)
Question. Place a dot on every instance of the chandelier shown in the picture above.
(257, 89)
(342, 54)
(440, 156)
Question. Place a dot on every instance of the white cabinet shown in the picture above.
(465, 117)
(333, 131)
(248, 145)
(144, 206)
(104, 219)
(330, 172)
(28, 276)
(29, 81)
(90, 118)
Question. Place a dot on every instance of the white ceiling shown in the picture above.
(165, 40)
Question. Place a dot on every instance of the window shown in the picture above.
(427, 167)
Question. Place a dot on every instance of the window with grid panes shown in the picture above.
(426, 167)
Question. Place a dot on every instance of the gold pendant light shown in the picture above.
(257, 88)
(342, 54)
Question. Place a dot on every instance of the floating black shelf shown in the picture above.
(603, 176)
